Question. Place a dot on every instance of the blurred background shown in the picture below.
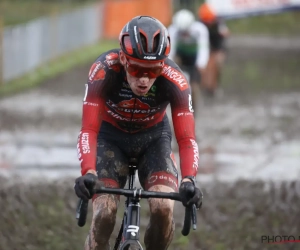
(248, 133)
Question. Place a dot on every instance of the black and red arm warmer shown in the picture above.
(184, 127)
(92, 116)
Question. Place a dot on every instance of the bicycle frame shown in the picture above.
(129, 231)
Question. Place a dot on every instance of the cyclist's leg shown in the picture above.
(220, 61)
(212, 72)
(112, 169)
(158, 172)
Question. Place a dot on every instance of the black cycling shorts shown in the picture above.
(152, 149)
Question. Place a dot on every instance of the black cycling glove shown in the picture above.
(84, 186)
(190, 194)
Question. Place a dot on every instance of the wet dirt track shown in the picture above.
(241, 133)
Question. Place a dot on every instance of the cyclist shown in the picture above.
(218, 32)
(124, 116)
(190, 47)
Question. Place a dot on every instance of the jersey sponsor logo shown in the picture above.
(133, 108)
(128, 119)
(125, 95)
(112, 61)
(163, 179)
(176, 77)
(97, 72)
(78, 149)
(91, 104)
(112, 58)
(85, 145)
(196, 154)
(152, 92)
(184, 114)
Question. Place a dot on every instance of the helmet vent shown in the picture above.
(127, 44)
(144, 42)
(150, 48)
(155, 42)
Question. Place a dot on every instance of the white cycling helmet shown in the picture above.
(183, 19)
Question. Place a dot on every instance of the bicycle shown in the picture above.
(129, 232)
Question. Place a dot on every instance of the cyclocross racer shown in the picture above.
(124, 116)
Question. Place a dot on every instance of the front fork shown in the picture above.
(131, 230)
(132, 223)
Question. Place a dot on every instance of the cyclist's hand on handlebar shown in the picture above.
(190, 194)
(84, 186)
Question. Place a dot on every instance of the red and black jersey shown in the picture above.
(108, 97)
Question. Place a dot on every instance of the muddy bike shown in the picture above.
(128, 237)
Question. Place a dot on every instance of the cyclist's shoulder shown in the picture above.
(199, 26)
(173, 76)
(107, 61)
(109, 57)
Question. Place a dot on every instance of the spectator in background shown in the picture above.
(190, 48)
(218, 32)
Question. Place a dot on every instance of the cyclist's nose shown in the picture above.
(144, 79)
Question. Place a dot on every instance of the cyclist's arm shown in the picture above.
(92, 116)
(223, 29)
(203, 45)
(183, 121)
(184, 125)
(184, 128)
(172, 32)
